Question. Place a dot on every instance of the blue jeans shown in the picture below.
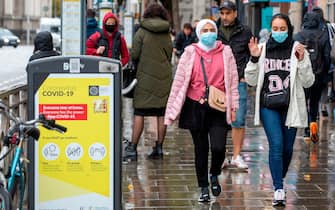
(281, 140)
(242, 110)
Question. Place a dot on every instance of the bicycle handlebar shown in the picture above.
(51, 124)
(20, 125)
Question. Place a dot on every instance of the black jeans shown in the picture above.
(313, 95)
(217, 142)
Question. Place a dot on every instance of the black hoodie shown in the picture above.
(43, 46)
(311, 30)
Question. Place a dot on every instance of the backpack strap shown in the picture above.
(116, 48)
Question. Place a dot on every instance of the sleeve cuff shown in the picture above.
(254, 59)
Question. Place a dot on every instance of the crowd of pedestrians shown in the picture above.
(287, 70)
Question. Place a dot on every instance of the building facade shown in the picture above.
(22, 17)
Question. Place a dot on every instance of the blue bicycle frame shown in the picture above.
(16, 171)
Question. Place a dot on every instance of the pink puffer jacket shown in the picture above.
(182, 80)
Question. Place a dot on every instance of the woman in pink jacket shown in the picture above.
(186, 102)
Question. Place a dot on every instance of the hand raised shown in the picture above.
(255, 51)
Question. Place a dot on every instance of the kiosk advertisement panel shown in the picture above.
(80, 169)
(68, 163)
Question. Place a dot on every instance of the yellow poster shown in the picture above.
(79, 163)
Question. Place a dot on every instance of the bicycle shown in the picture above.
(13, 165)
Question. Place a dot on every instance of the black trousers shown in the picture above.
(313, 95)
(208, 128)
(215, 138)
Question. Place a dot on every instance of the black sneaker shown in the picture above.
(204, 195)
(130, 152)
(215, 186)
(306, 133)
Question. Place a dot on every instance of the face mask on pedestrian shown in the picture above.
(109, 28)
(279, 36)
(208, 38)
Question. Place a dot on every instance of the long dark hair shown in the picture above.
(288, 22)
(156, 10)
(289, 41)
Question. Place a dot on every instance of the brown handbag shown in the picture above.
(215, 97)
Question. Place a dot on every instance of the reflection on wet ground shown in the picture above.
(171, 183)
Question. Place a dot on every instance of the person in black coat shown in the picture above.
(237, 35)
(183, 39)
(320, 59)
(43, 46)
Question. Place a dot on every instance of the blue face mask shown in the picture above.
(208, 39)
(279, 36)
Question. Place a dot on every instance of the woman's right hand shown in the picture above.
(255, 51)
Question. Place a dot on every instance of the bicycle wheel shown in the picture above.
(5, 199)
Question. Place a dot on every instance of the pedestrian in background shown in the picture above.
(152, 49)
(263, 35)
(233, 33)
(281, 69)
(316, 41)
(328, 92)
(43, 46)
(183, 39)
(108, 43)
(91, 23)
(207, 126)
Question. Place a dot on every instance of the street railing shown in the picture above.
(16, 99)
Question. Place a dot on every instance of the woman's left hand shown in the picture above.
(300, 52)
(233, 116)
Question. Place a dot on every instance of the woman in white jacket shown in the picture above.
(281, 69)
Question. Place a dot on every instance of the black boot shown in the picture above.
(157, 151)
(130, 152)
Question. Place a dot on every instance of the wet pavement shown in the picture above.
(171, 183)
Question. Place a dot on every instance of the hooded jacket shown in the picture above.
(152, 49)
(43, 46)
(301, 76)
(311, 30)
(183, 77)
(93, 40)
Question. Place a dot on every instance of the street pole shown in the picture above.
(140, 10)
(28, 29)
(54, 8)
(302, 10)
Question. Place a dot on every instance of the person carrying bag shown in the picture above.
(206, 70)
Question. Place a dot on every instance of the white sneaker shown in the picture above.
(279, 198)
(239, 162)
(226, 163)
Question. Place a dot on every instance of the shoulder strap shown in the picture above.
(203, 71)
